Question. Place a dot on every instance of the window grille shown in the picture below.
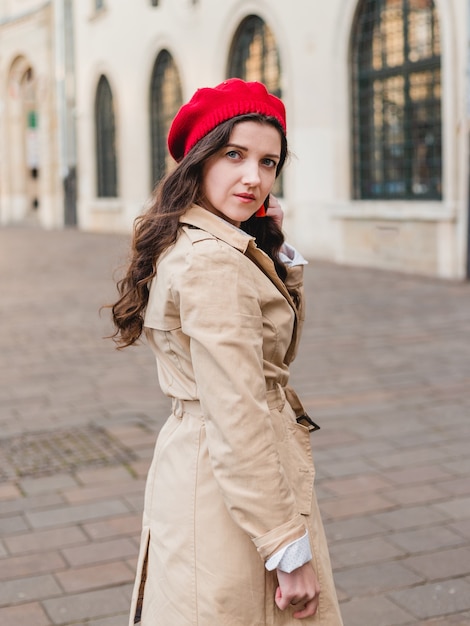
(397, 134)
(254, 57)
(165, 100)
(106, 159)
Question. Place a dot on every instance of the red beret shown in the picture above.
(209, 107)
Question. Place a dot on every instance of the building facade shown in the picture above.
(376, 93)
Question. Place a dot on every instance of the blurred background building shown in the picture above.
(377, 95)
(37, 130)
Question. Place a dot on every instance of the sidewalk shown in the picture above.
(384, 368)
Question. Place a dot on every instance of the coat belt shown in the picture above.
(275, 397)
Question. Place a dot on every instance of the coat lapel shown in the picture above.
(265, 264)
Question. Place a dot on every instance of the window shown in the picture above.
(254, 54)
(397, 132)
(106, 161)
(254, 57)
(165, 100)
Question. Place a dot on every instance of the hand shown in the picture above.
(301, 589)
(275, 211)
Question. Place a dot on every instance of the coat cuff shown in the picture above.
(292, 556)
(275, 539)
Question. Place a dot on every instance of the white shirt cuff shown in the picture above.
(292, 556)
(290, 256)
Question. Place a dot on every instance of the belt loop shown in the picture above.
(177, 407)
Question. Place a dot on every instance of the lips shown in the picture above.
(246, 196)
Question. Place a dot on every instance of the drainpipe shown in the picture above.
(467, 86)
(65, 90)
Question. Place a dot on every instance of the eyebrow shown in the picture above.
(236, 145)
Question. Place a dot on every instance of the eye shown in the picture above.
(232, 154)
(269, 162)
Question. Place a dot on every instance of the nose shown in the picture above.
(251, 174)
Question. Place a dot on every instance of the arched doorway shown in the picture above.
(24, 155)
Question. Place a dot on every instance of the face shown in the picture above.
(237, 179)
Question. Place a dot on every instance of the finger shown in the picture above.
(310, 608)
(282, 603)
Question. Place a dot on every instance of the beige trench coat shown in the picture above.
(231, 481)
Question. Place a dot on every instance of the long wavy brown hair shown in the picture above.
(157, 228)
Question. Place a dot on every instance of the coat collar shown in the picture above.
(205, 220)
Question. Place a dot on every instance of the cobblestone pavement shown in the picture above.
(384, 367)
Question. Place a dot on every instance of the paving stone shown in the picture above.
(8, 491)
(88, 605)
(352, 529)
(441, 598)
(459, 508)
(462, 619)
(355, 485)
(376, 578)
(18, 566)
(462, 527)
(47, 484)
(24, 615)
(95, 576)
(30, 503)
(45, 540)
(440, 565)
(24, 590)
(456, 487)
(114, 527)
(347, 468)
(420, 474)
(116, 620)
(362, 551)
(135, 502)
(103, 475)
(461, 466)
(349, 507)
(99, 552)
(426, 539)
(78, 513)
(133, 436)
(410, 517)
(416, 494)
(102, 492)
(140, 468)
(12, 524)
(375, 611)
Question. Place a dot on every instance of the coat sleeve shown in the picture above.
(221, 314)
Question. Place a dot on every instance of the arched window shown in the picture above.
(165, 100)
(397, 100)
(254, 56)
(106, 160)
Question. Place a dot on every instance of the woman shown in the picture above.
(231, 535)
